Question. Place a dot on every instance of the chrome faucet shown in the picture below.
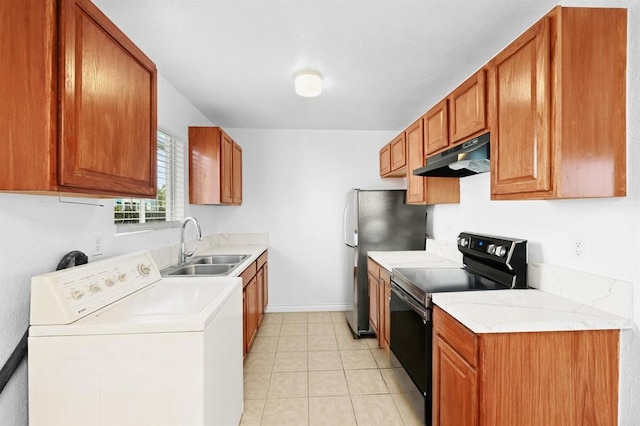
(183, 254)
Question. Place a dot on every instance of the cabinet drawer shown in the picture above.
(248, 274)
(373, 268)
(261, 260)
(459, 337)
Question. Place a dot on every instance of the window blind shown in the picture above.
(168, 206)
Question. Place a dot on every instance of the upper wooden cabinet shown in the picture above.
(79, 103)
(393, 158)
(215, 167)
(552, 375)
(436, 128)
(458, 117)
(467, 108)
(558, 98)
(422, 190)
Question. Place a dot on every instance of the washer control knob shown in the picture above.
(122, 277)
(94, 288)
(77, 294)
(110, 282)
(144, 269)
(500, 251)
(491, 249)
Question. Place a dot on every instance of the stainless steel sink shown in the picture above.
(213, 265)
(201, 270)
(219, 259)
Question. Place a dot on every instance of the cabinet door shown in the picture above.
(436, 128)
(265, 288)
(521, 116)
(108, 107)
(415, 160)
(226, 170)
(398, 153)
(455, 388)
(252, 311)
(387, 314)
(373, 303)
(237, 174)
(245, 318)
(260, 296)
(467, 108)
(29, 103)
(385, 160)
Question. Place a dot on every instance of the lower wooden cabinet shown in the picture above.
(542, 378)
(379, 298)
(255, 297)
(374, 292)
(385, 313)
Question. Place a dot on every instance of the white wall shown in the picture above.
(610, 227)
(295, 182)
(36, 231)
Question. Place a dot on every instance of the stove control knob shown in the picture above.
(77, 294)
(110, 282)
(122, 277)
(464, 242)
(491, 249)
(500, 251)
(144, 269)
(95, 288)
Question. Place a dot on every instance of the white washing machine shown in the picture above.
(112, 343)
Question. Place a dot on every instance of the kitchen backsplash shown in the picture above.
(607, 294)
(168, 255)
(447, 249)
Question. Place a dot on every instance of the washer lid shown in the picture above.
(185, 305)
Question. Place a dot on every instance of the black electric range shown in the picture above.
(490, 263)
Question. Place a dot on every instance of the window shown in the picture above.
(168, 206)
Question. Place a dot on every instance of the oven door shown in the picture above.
(410, 336)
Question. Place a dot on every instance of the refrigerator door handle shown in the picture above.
(349, 231)
(344, 225)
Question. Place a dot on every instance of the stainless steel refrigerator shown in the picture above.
(376, 221)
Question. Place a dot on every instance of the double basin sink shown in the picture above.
(212, 265)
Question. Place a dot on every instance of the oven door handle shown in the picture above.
(420, 310)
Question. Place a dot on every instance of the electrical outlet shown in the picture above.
(98, 244)
(577, 247)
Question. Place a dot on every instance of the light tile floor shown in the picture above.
(307, 369)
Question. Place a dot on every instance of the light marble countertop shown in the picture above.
(509, 311)
(505, 311)
(411, 259)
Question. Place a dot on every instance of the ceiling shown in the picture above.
(384, 63)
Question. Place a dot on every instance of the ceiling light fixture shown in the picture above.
(308, 83)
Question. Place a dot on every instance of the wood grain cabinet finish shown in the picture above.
(393, 158)
(422, 190)
(385, 160)
(255, 295)
(467, 108)
(379, 302)
(558, 99)
(385, 309)
(543, 378)
(80, 99)
(215, 167)
(374, 295)
(436, 127)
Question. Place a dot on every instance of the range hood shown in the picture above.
(469, 158)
